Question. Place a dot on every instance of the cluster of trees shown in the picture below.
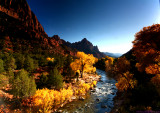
(23, 85)
(138, 71)
(52, 80)
(18, 68)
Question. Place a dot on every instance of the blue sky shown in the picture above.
(109, 24)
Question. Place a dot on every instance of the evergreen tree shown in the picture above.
(10, 73)
(23, 85)
(55, 79)
(29, 64)
(68, 72)
(32, 86)
(42, 81)
(20, 59)
(10, 62)
(1, 66)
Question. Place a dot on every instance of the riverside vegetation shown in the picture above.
(43, 83)
(137, 73)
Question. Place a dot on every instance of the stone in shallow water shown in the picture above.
(97, 99)
(73, 98)
(112, 93)
(59, 111)
(93, 90)
(81, 98)
(104, 106)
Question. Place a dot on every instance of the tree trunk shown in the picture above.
(82, 74)
(82, 71)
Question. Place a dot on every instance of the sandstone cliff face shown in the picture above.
(23, 30)
(20, 10)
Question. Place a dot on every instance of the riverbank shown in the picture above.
(99, 100)
(83, 83)
(118, 101)
(77, 91)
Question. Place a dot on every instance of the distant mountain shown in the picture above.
(87, 47)
(115, 55)
(20, 30)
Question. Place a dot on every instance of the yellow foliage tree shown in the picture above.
(122, 65)
(126, 81)
(109, 64)
(84, 63)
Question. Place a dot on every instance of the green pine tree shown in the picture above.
(1, 66)
(23, 85)
(29, 64)
(55, 79)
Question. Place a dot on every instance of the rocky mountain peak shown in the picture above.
(87, 47)
(56, 37)
(84, 40)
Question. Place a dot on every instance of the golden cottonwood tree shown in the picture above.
(84, 63)
(109, 64)
(126, 81)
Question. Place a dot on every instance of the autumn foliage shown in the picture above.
(121, 70)
(50, 59)
(146, 49)
(126, 81)
(46, 99)
(109, 64)
(84, 63)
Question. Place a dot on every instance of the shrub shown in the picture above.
(23, 85)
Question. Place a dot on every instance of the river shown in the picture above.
(99, 100)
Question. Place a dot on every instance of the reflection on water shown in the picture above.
(98, 101)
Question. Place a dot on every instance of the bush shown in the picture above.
(55, 79)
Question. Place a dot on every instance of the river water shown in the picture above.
(98, 101)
